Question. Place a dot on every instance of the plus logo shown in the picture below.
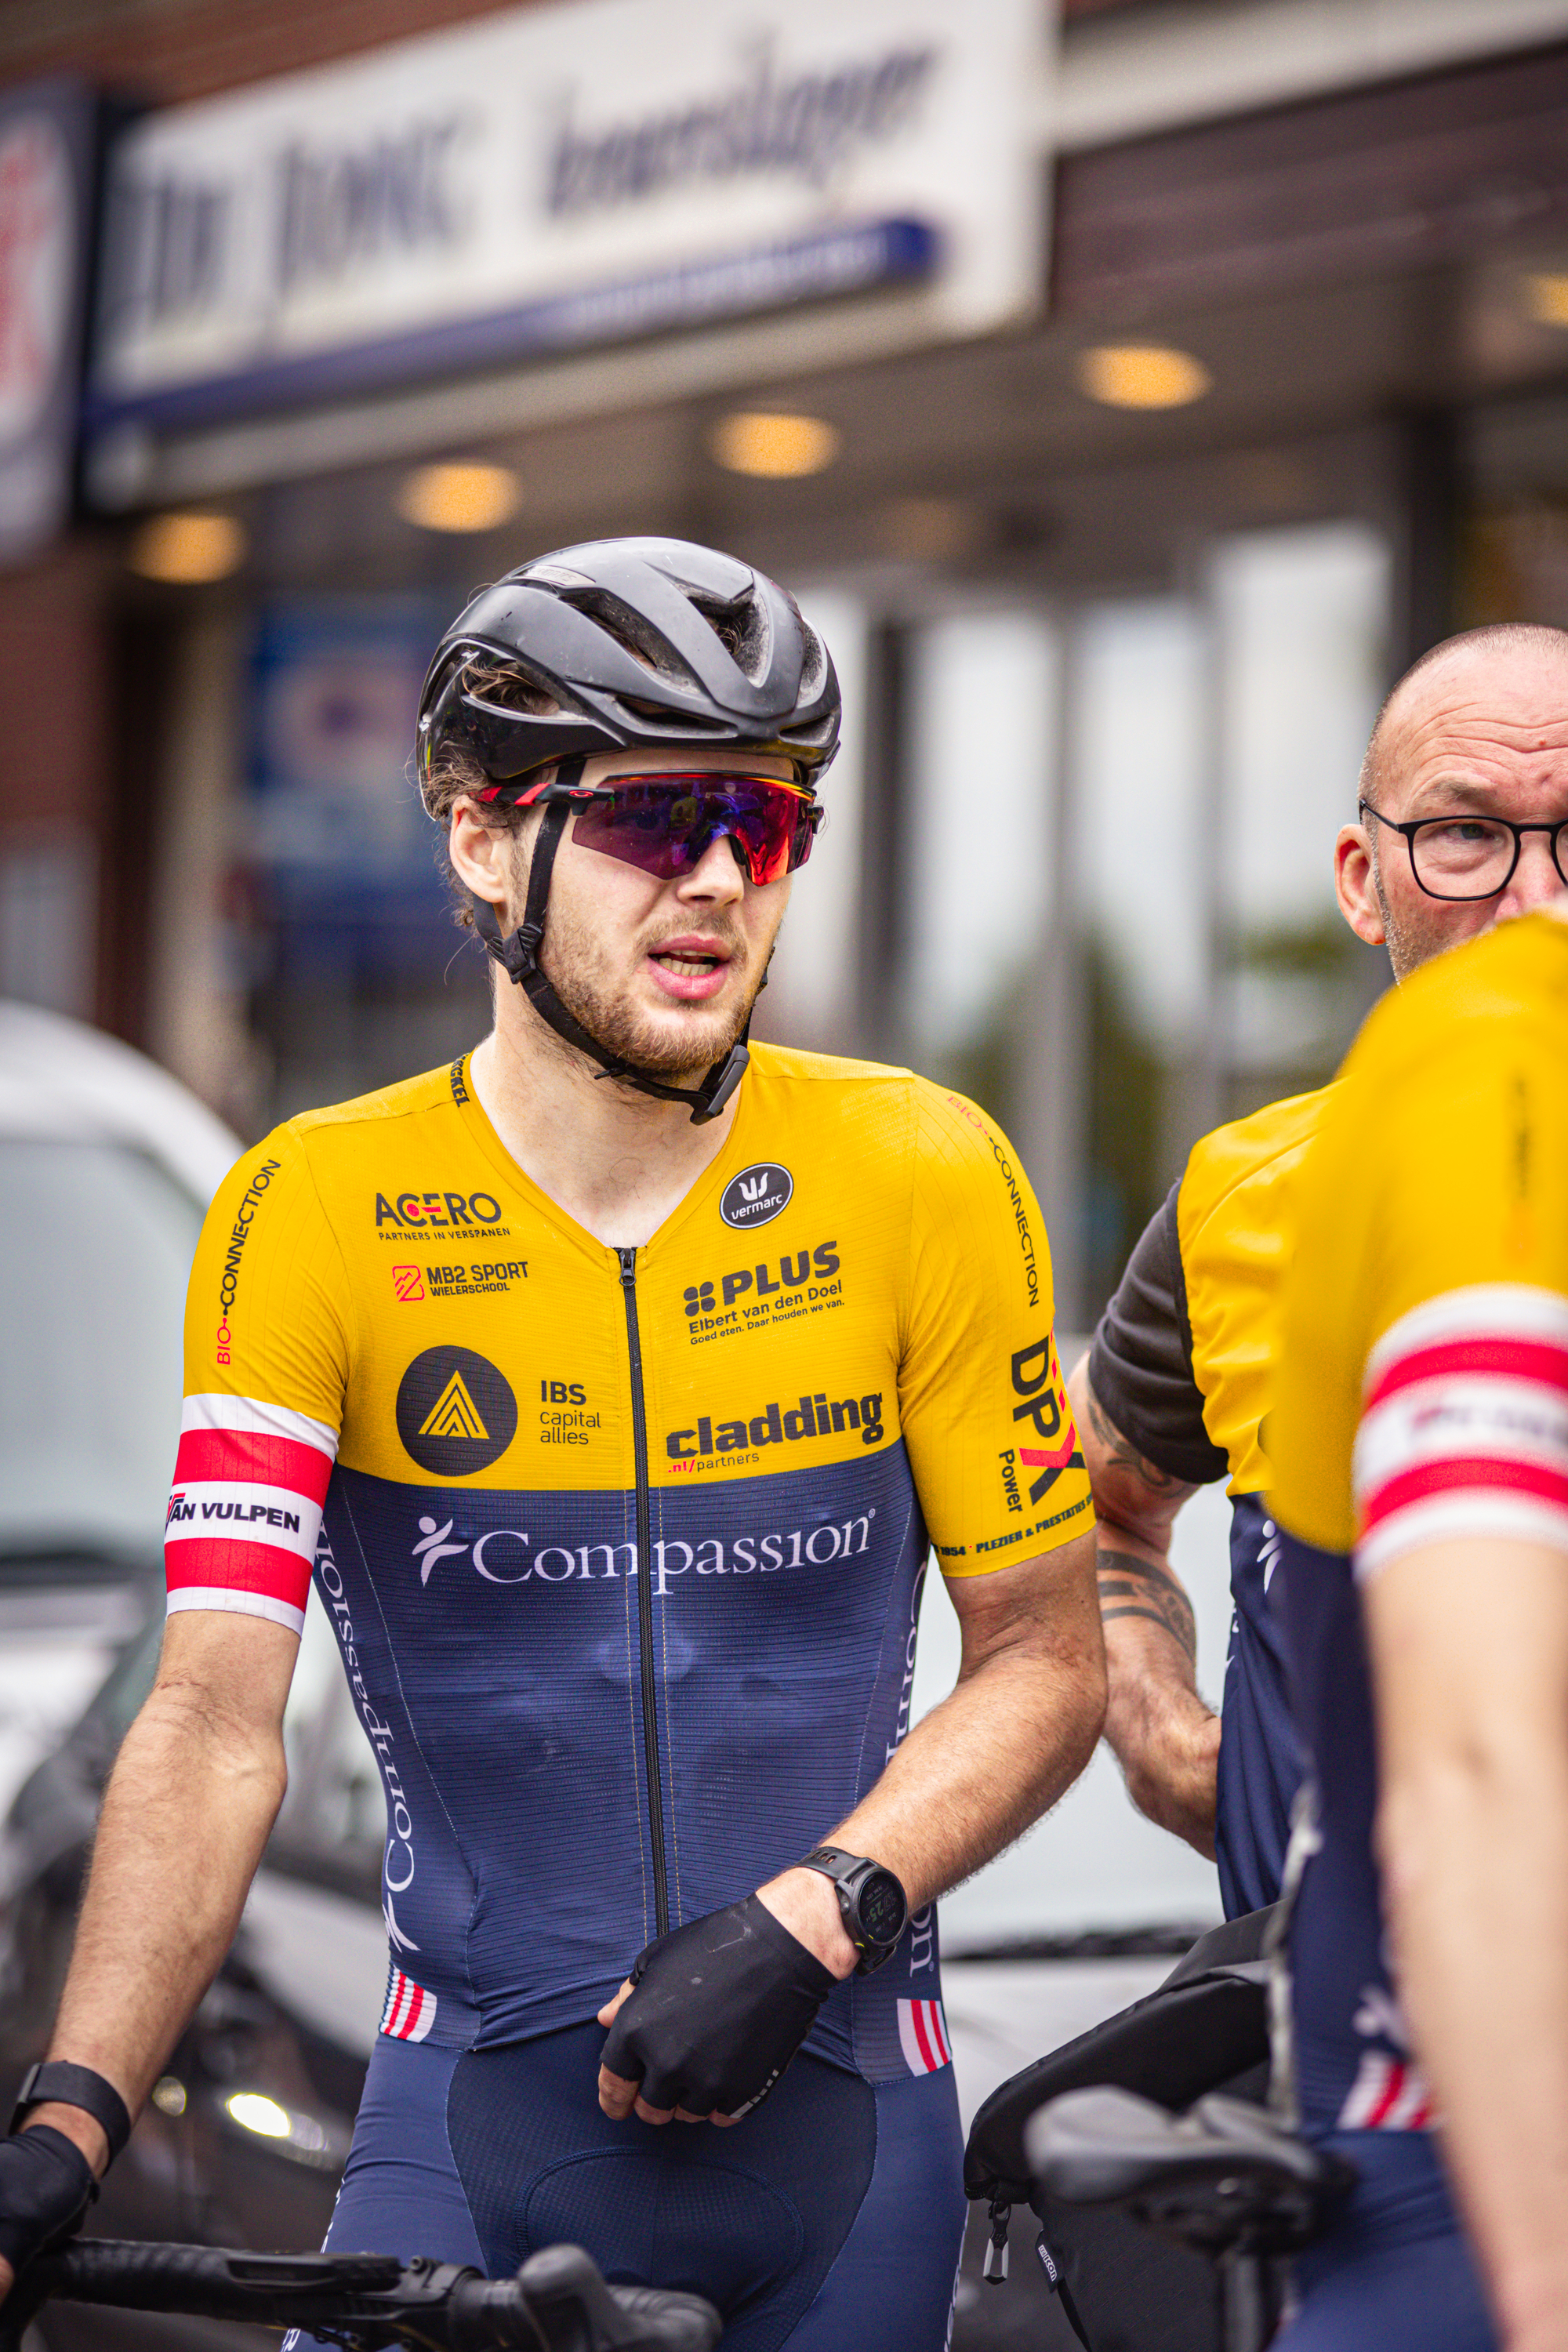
(699, 1299)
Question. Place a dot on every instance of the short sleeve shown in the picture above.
(1140, 1361)
(982, 1401)
(266, 1339)
(1424, 1353)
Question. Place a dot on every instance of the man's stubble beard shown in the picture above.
(1410, 943)
(568, 953)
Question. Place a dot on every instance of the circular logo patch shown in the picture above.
(757, 1195)
(455, 1413)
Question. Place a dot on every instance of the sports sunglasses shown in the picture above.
(664, 824)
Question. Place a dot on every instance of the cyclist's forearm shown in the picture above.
(977, 1771)
(187, 1811)
(1477, 1872)
(1163, 1735)
(1469, 1651)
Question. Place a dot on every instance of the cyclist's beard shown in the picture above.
(572, 958)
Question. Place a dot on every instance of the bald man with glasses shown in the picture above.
(1463, 800)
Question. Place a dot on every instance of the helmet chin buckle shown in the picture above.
(519, 959)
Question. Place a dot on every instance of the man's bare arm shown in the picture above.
(1469, 1653)
(1164, 1738)
(1012, 1736)
(193, 1796)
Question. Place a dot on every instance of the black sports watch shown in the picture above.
(871, 1901)
(74, 2087)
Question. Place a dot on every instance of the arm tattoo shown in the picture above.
(1136, 1588)
(1125, 1456)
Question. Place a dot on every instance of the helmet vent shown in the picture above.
(659, 715)
(507, 686)
(630, 631)
(741, 628)
(812, 663)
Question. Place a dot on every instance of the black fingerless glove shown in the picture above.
(718, 2009)
(45, 2187)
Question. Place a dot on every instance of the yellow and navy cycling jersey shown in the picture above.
(1182, 1363)
(623, 1548)
(1422, 1394)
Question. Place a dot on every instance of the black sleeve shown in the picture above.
(1140, 1361)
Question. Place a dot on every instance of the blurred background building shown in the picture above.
(1129, 398)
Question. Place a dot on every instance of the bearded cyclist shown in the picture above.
(1179, 1382)
(614, 1382)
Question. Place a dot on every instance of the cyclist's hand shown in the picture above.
(712, 2015)
(45, 2187)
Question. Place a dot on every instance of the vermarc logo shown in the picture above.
(757, 1195)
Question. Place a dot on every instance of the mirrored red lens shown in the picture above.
(665, 827)
(1462, 856)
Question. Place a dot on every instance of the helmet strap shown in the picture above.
(518, 958)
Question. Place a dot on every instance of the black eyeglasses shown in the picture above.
(1465, 857)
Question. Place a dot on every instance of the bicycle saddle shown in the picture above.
(1224, 2178)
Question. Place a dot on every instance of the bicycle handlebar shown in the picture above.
(557, 2302)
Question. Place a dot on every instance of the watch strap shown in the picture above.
(848, 1872)
(75, 2086)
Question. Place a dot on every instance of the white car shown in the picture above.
(107, 1165)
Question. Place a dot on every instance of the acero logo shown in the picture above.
(757, 1195)
(455, 1413)
(410, 1209)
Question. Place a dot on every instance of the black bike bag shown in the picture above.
(1204, 2029)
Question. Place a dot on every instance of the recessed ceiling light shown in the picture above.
(1142, 375)
(187, 550)
(1546, 298)
(774, 444)
(459, 498)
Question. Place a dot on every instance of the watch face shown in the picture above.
(882, 1907)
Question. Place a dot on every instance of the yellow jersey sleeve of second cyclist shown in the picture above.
(1432, 1261)
(268, 1330)
(992, 1444)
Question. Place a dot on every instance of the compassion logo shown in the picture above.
(510, 1555)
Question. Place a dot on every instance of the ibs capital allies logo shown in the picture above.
(456, 1412)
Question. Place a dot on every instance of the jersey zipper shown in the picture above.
(629, 1258)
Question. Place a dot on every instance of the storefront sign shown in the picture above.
(339, 847)
(558, 177)
(45, 190)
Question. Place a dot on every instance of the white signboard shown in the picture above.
(556, 177)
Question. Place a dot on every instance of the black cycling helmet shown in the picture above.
(622, 644)
(639, 645)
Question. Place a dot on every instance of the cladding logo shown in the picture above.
(813, 1417)
(757, 1195)
(456, 1412)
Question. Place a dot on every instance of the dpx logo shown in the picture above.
(1032, 1370)
(757, 1195)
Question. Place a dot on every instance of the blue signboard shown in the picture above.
(344, 855)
